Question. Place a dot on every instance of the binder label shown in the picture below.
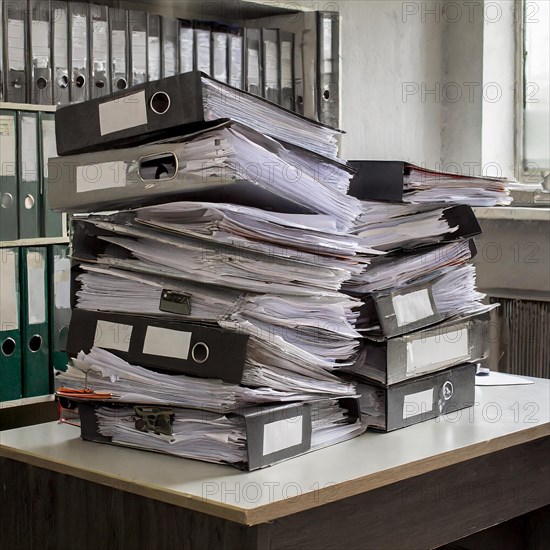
(121, 114)
(62, 282)
(412, 307)
(36, 289)
(165, 342)
(429, 354)
(41, 44)
(9, 296)
(282, 434)
(109, 335)
(16, 45)
(418, 403)
(7, 145)
(105, 175)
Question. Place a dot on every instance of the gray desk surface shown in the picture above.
(502, 417)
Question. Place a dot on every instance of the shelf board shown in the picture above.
(27, 107)
(27, 401)
(34, 242)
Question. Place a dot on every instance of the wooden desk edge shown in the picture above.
(300, 503)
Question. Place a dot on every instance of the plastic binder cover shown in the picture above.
(425, 351)
(9, 176)
(162, 344)
(388, 408)
(10, 326)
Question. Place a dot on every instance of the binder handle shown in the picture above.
(200, 352)
(7, 200)
(63, 81)
(17, 84)
(162, 166)
(41, 83)
(160, 103)
(8, 347)
(80, 81)
(121, 84)
(100, 84)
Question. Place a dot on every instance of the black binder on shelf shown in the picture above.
(154, 52)
(9, 177)
(203, 47)
(100, 83)
(16, 87)
(450, 343)
(387, 408)
(137, 25)
(40, 67)
(118, 32)
(164, 344)
(286, 48)
(253, 61)
(78, 47)
(30, 198)
(186, 46)
(219, 52)
(235, 59)
(170, 31)
(328, 71)
(271, 62)
(60, 52)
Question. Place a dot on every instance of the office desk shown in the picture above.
(419, 487)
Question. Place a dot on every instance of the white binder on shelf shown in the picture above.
(118, 29)
(60, 52)
(100, 84)
(40, 69)
(15, 30)
(78, 40)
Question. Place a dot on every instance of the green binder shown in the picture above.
(60, 303)
(30, 201)
(52, 221)
(10, 333)
(9, 225)
(34, 310)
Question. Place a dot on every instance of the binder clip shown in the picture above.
(154, 419)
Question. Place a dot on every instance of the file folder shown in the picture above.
(170, 31)
(2, 48)
(425, 351)
(219, 53)
(80, 62)
(16, 55)
(52, 221)
(187, 46)
(271, 65)
(60, 48)
(59, 273)
(119, 49)
(154, 57)
(286, 42)
(328, 72)
(34, 307)
(40, 73)
(201, 32)
(100, 84)
(253, 61)
(30, 199)
(10, 326)
(137, 23)
(9, 177)
(388, 408)
(235, 46)
(161, 344)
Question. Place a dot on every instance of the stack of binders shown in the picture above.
(208, 316)
(424, 322)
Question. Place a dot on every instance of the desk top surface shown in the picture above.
(502, 417)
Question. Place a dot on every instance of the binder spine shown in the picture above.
(170, 57)
(219, 54)
(100, 84)
(235, 56)
(40, 69)
(286, 44)
(79, 56)
(118, 29)
(9, 176)
(253, 61)
(203, 47)
(137, 23)
(154, 61)
(328, 71)
(271, 87)
(16, 51)
(60, 52)
(186, 46)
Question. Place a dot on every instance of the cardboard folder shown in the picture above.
(387, 408)
(163, 344)
(452, 342)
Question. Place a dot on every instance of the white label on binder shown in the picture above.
(186, 50)
(62, 282)
(120, 114)
(286, 64)
(29, 149)
(7, 145)
(429, 354)
(109, 335)
(80, 42)
(271, 64)
(282, 434)
(16, 45)
(165, 342)
(49, 147)
(36, 289)
(253, 67)
(9, 297)
(154, 58)
(40, 34)
(418, 403)
(118, 45)
(105, 175)
(139, 52)
(60, 51)
(412, 307)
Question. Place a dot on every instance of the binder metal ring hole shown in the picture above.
(200, 352)
(160, 103)
(29, 202)
(100, 84)
(41, 83)
(8, 347)
(299, 100)
(63, 81)
(121, 84)
(163, 166)
(35, 343)
(17, 84)
(326, 95)
(80, 81)
(447, 390)
(7, 200)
